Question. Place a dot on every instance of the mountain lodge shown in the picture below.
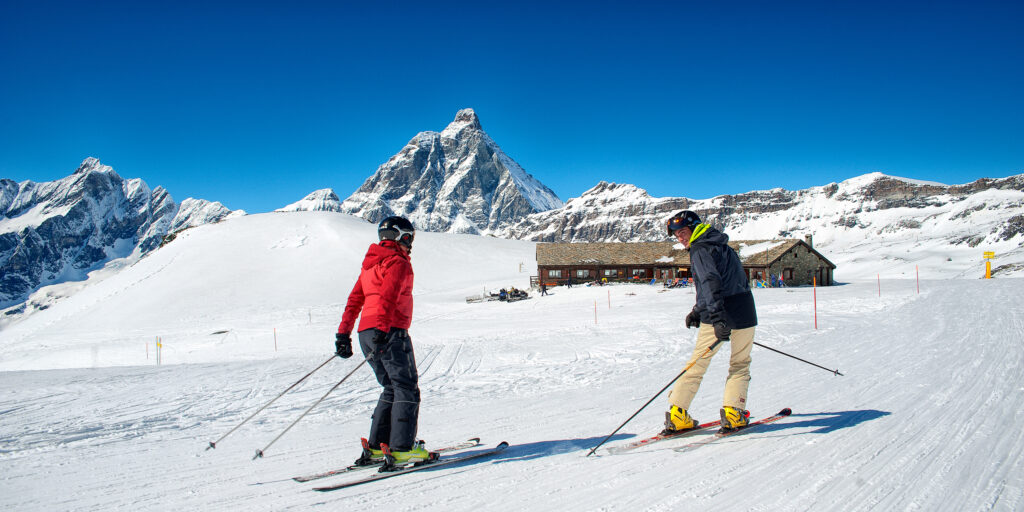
(794, 260)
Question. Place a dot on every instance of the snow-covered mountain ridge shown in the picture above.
(870, 216)
(323, 200)
(59, 231)
(457, 180)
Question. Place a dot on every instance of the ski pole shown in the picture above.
(801, 360)
(213, 444)
(706, 352)
(259, 453)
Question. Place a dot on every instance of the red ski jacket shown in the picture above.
(383, 292)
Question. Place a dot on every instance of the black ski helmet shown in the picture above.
(398, 229)
(681, 220)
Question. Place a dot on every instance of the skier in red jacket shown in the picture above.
(383, 293)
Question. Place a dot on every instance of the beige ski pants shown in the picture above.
(742, 341)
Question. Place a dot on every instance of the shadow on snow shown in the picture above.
(825, 421)
(536, 450)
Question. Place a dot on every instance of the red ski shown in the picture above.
(703, 427)
(697, 444)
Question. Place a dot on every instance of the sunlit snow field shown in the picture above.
(927, 416)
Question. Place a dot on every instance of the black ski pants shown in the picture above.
(398, 408)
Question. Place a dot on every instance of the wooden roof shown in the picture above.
(752, 253)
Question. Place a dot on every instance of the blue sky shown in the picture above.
(257, 104)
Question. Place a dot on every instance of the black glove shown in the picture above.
(692, 320)
(379, 337)
(722, 331)
(343, 345)
(399, 334)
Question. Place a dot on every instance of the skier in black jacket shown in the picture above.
(724, 312)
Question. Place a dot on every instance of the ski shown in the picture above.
(697, 444)
(663, 437)
(416, 467)
(699, 429)
(469, 443)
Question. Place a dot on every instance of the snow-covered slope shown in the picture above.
(248, 275)
(59, 231)
(926, 417)
(866, 225)
(456, 181)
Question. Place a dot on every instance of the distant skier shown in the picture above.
(383, 293)
(724, 311)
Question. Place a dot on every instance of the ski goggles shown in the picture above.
(403, 233)
(675, 224)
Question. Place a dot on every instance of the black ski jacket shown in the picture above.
(723, 293)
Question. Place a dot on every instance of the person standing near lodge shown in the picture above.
(383, 293)
(724, 312)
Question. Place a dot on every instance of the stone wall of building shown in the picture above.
(805, 264)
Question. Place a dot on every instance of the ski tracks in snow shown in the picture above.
(926, 418)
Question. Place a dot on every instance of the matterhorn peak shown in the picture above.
(92, 164)
(465, 119)
(468, 116)
(459, 182)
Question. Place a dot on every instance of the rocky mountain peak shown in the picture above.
(606, 194)
(92, 164)
(458, 180)
(465, 123)
(468, 116)
(604, 187)
(59, 231)
(323, 200)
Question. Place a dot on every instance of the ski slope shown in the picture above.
(926, 417)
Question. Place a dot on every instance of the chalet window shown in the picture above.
(610, 272)
(582, 273)
(639, 272)
(787, 273)
(554, 273)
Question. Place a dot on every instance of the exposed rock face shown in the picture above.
(456, 181)
(983, 211)
(323, 200)
(608, 212)
(61, 230)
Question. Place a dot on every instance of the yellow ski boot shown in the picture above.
(733, 419)
(418, 454)
(678, 420)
